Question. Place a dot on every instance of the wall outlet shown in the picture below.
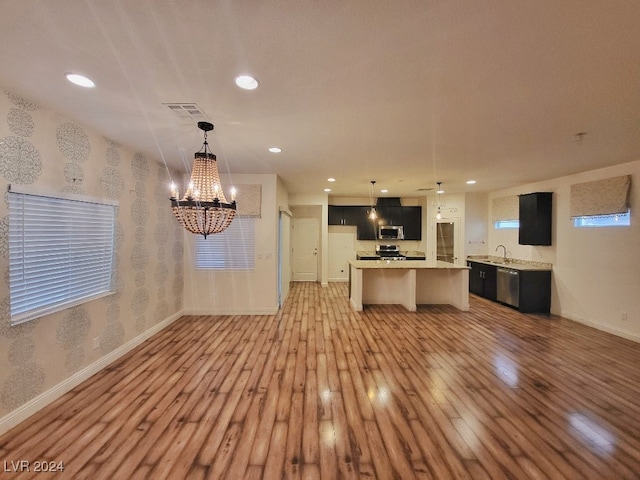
(623, 316)
(96, 343)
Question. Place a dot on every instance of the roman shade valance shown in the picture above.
(505, 208)
(600, 197)
(249, 199)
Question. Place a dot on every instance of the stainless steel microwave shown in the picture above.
(391, 232)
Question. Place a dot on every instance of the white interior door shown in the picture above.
(305, 236)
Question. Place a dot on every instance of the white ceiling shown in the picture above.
(406, 93)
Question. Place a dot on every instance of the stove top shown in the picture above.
(389, 252)
(392, 257)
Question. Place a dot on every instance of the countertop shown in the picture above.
(407, 253)
(406, 264)
(512, 263)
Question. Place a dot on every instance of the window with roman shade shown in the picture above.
(600, 197)
(61, 252)
(505, 212)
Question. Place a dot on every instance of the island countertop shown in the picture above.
(408, 283)
(405, 264)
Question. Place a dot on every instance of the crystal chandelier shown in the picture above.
(204, 209)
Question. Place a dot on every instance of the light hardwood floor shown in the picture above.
(320, 391)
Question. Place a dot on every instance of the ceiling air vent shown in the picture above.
(186, 111)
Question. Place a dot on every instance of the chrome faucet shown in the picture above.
(505, 252)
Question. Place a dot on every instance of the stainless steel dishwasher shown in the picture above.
(508, 286)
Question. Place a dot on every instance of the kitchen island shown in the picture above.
(408, 283)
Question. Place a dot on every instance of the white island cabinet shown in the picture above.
(408, 283)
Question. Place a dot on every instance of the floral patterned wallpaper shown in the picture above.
(41, 149)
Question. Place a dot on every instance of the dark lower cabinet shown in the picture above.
(534, 286)
(535, 291)
(482, 280)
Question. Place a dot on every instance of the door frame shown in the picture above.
(457, 244)
(294, 236)
(284, 255)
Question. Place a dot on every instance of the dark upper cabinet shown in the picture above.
(346, 214)
(367, 228)
(409, 217)
(535, 218)
(412, 223)
(337, 215)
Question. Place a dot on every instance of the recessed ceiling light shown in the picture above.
(275, 149)
(471, 182)
(246, 82)
(327, 189)
(384, 190)
(331, 179)
(80, 80)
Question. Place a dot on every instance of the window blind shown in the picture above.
(232, 249)
(61, 253)
(601, 197)
(505, 208)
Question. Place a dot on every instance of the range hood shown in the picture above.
(388, 202)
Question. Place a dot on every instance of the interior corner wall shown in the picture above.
(284, 240)
(239, 292)
(42, 358)
(596, 271)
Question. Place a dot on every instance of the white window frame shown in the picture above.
(231, 249)
(61, 251)
(506, 224)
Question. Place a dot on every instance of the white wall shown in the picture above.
(209, 292)
(596, 271)
(476, 223)
(284, 239)
(342, 248)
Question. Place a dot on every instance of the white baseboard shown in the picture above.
(233, 311)
(605, 328)
(340, 279)
(23, 412)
